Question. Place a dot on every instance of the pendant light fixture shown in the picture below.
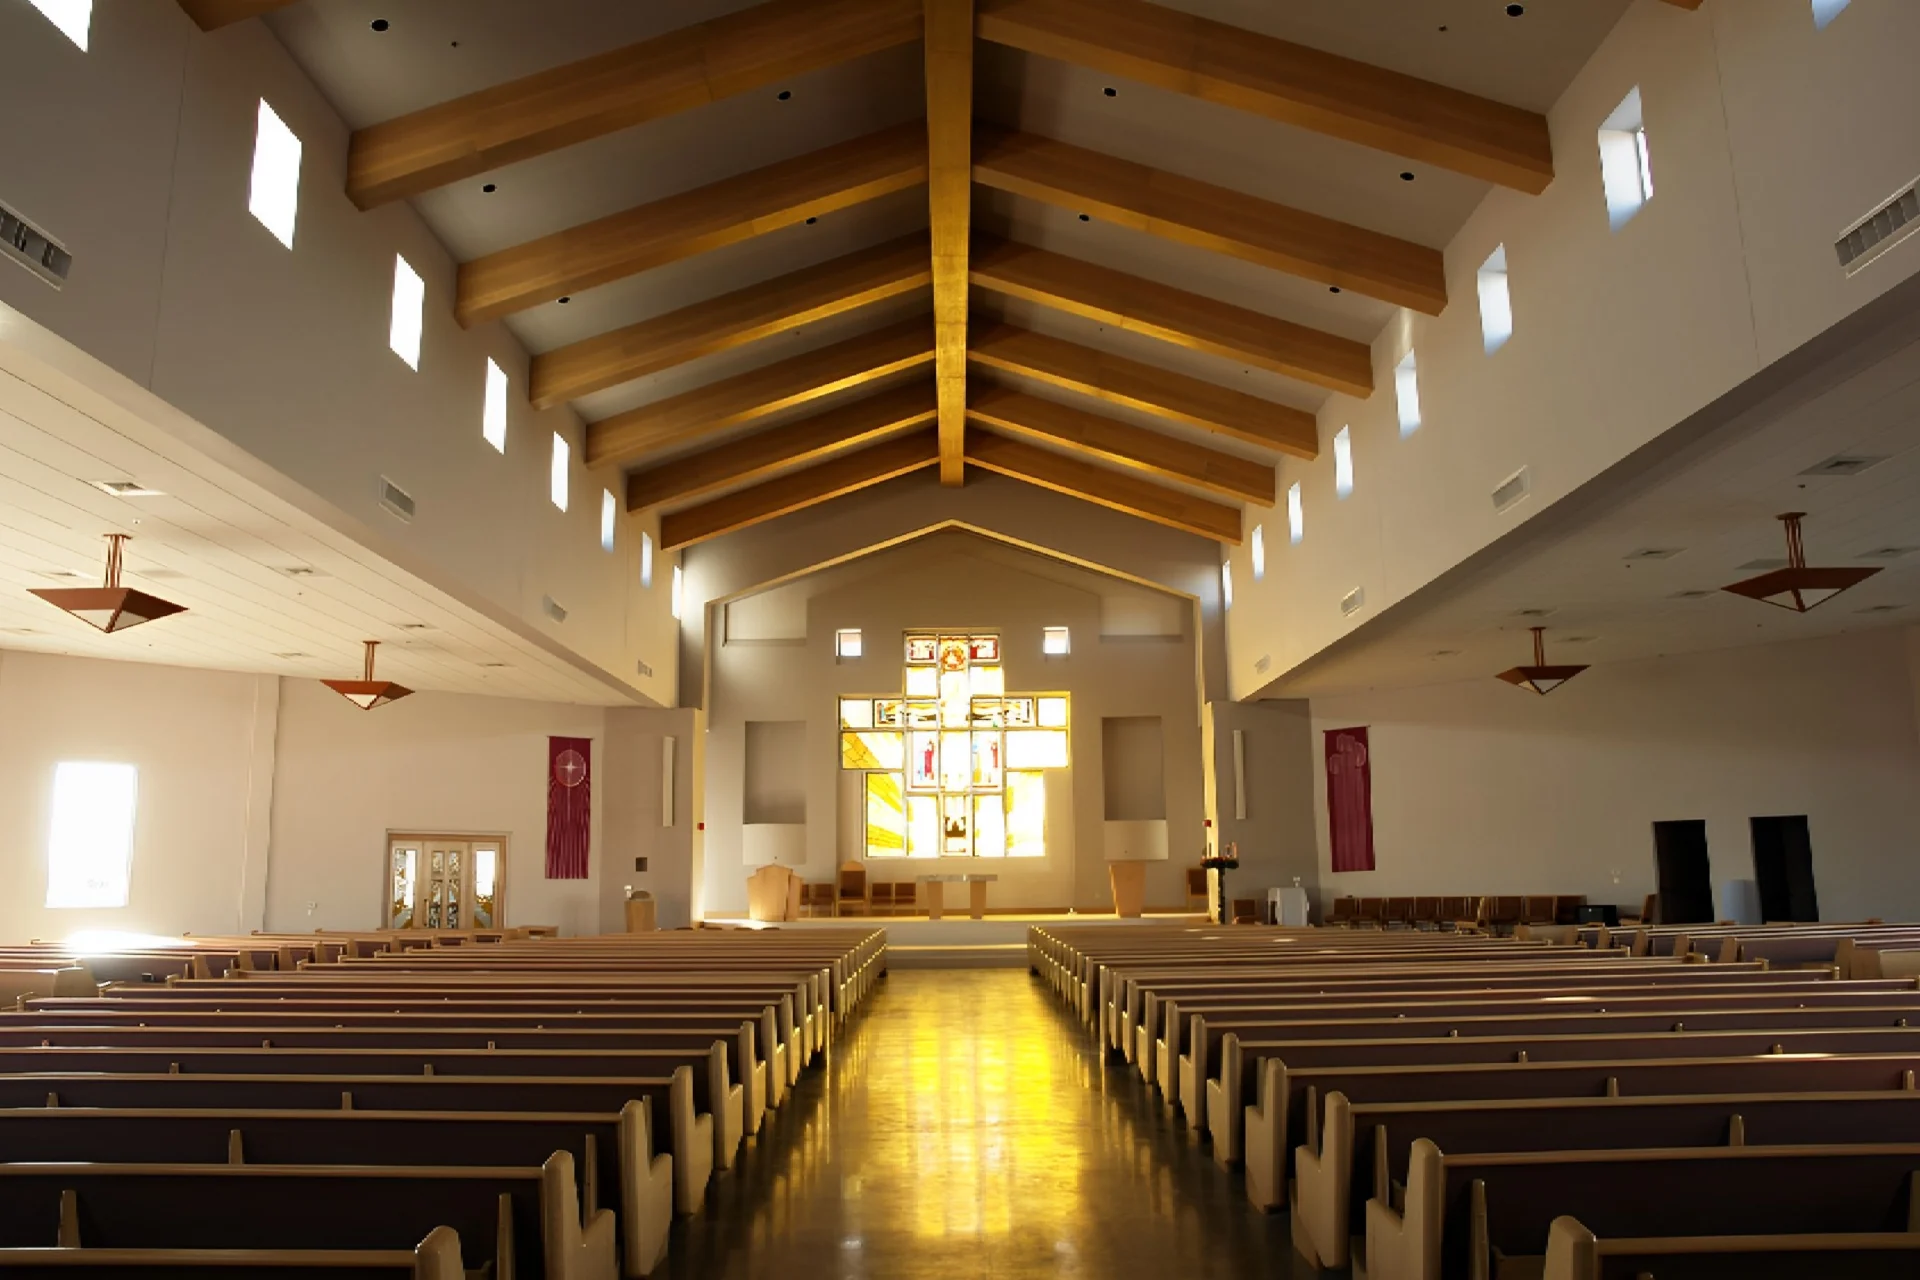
(1798, 587)
(368, 693)
(111, 607)
(1540, 678)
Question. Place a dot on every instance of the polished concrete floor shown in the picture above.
(965, 1126)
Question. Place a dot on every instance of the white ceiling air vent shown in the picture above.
(1351, 602)
(1696, 593)
(1512, 489)
(126, 489)
(1262, 663)
(396, 499)
(1654, 553)
(1843, 464)
(1880, 230)
(1887, 553)
(553, 608)
(1880, 608)
(33, 248)
(1531, 613)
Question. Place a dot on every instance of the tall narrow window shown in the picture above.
(1296, 515)
(273, 196)
(609, 517)
(90, 838)
(1496, 304)
(1257, 549)
(493, 411)
(557, 475)
(409, 312)
(1226, 584)
(1343, 462)
(75, 18)
(846, 642)
(1406, 389)
(1626, 171)
(646, 560)
(678, 599)
(1055, 642)
(1824, 11)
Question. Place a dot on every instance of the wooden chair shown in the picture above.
(906, 897)
(1426, 913)
(1502, 913)
(1196, 888)
(816, 896)
(1371, 913)
(1246, 911)
(851, 891)
(880, 897)
(1344, 910)
(1538, 909)
(1397, 913)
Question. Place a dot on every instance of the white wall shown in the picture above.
(201, 741)
(1479, 787)
(138, 160)
(1768, 139)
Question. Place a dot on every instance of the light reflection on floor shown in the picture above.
(965, 1127)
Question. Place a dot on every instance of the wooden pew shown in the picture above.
(1464, 1214)
(1362, 1146)
(435, 1258)
(1575, 1253)
(610, 1151)
(531, 1216)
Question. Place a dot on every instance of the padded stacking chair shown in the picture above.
(1246, 911)
(1196, 888)
(1537, 909)
(1397, 914)
(1371, 914)
(1426, 913)
(1344, 910)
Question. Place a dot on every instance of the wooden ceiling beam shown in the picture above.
(693, 222)
(1062, 426)
(843, 427)
(1214, 218)
(1173, 315)
(1160, 392)
(731, 320)
(211, 15)
(1292, 83)
(604, 94)
(1113, 489)
(797, 490)
(949, 76)
(748, 397)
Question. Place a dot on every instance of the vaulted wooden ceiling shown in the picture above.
(1160, 371)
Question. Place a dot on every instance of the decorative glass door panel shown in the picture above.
(956, 767)
(444, 883)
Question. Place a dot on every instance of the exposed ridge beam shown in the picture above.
(1173, 315)
(1114, 489)
(570, 104)
(843, 427)
(797, 490)
(749, 397)
(680, 226)
(1214, 218)
(1292, 83)
(211, 15)
(1076, 430)
(949, 75)
(1143, 387)
(731, 320)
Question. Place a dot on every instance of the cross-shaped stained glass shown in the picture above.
(956, 766)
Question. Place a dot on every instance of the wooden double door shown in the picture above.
(445, 882)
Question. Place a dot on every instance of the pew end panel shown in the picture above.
(1224, 1101)
(1266, 1137)
(1575, 1253)
(1322, 1192)
(574, 1246)
(1405, 1245)
(694, 1144)
(646, 1191)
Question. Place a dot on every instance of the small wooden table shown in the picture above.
(937, 893)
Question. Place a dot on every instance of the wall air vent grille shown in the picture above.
(553, 608)
(1843, 464)
(1352, 602)
(1880, 230)
(641, 666)
(396, 500)
(33, 248)
(1512, 489)
(1262, 663)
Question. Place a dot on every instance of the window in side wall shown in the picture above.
(1296, 514)
(90, 835)
(1626, 167)
(1056, 642)
(74, 18)
(1226, 584)
(557, 474)
(1824, 11)
(493, 411)
(846, 642)
(1257, 551)
(409, 312)
(1343, 462)
(1406, 390)
(646, 560)
(1496, 303)
(678, 599)
(609, 519)
(273, 194)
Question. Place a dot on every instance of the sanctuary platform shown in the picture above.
(958, 942)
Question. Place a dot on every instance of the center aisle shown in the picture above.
(965, 1127)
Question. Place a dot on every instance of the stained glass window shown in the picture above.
(952, 769)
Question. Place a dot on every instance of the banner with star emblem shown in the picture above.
(1350, 799)
(569, 806)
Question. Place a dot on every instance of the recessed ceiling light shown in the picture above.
(565, 298)
(784, 94)
(1111, 92)
(1515, 10)
(1086, 217)
(1333, 288)
(490, 188)
(1406, 176)
(379, 24)
(126, 489)
(811, 221)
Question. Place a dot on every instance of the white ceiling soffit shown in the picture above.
(269, 588)
(1703, 497)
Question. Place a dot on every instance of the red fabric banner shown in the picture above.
(1350, 799)
(569, 806)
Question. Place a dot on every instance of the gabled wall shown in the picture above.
(136, 154)
(1768, 139)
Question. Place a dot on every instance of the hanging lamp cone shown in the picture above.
(110, 607)
(368, 693)
(1798, 587)
(1541, 678)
